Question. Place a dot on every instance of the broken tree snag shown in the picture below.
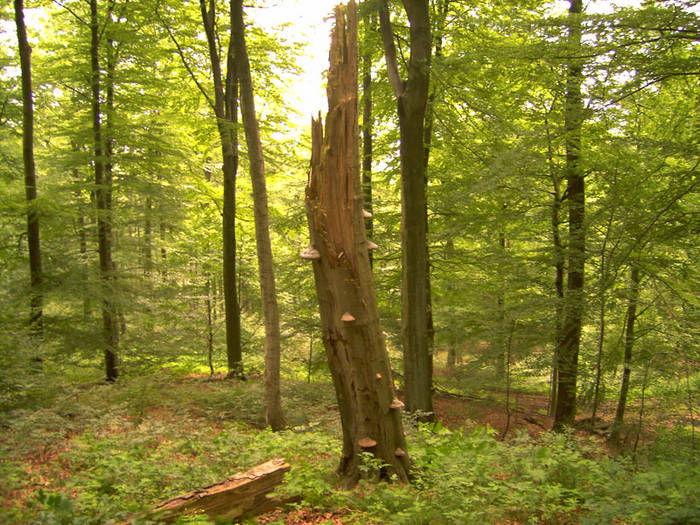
(349, 318)
(243, 494)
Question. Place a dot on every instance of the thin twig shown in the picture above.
(184, 60)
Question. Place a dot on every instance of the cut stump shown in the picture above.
(243, 494)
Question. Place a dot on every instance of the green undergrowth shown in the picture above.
(99, 452)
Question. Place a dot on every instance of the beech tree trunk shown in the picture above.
(110, 324)
(273, 400)
(559, 271)
(412, 98)
(567, 355)
(36, 299)
(226, 110)
(367, 129)
(602, 289)
(370, 412)
(629, 345)
(148, 238)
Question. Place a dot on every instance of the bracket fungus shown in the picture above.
(399, 452)
(367, 442)
(366, 214)
(371, 246)
(347, 317)
(396, 404)
(311, 254)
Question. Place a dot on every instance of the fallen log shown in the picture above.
(243, 494)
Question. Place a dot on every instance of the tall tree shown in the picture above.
(370, 412)
(225, 107)
(367, 124)
(273, 402)
(559, 263)
(567, 353)
(412, 97)
(36, 299)
(110, 325)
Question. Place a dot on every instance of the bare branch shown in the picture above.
(184, 60)
(75, 15)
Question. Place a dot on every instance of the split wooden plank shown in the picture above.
(244, 493)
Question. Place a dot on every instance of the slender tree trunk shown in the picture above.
(148, 238)
(367, 128)
(599, 358)
(273, 401)
(558, 270)
(370, 413)
(453, 353)
(565, 411)
(508, 352)
(110, 328)
(119, 316)
(641, 408)
(688, 391)
(232, 311)
(412, 97)
(629, 345)
(210, 329)
(501, 329)
(36, 299)
(85, 269)
(429, 119)
(311, 357)
(602, 288)
(226, 110)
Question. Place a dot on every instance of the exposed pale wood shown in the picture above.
(352, 333)
(244, 493)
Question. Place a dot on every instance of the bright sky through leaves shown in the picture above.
(311, 21)
(307, 21)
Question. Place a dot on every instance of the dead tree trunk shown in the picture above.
(370, 412)
(243, 494)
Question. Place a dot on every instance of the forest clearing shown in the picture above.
(468, 293)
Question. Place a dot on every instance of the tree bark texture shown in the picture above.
(367, 129)
(412, 98)
(36, 299)
(629, 345)
(559, 270)
(574, 299)
(602, 289)
(273, 399)
(110, 324)
(226, 111)
(243, 494)
(370, 412)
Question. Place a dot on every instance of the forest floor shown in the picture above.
(109, 450)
